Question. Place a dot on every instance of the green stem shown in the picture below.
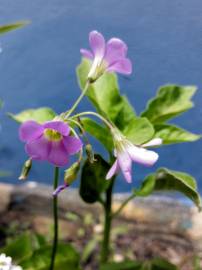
(115, 214)
(68, 113)
(55, 213)
(105, 249)
(110, 125)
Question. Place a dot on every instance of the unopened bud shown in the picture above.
(90, 153)
(25, 170)
(71, 173)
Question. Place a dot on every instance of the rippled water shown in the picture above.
(37, 65)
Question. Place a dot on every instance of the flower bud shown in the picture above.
(90, 153)
(71, 173)
(25, 170)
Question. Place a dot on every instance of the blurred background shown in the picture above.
(37, 67)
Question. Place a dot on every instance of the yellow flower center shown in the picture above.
(52, 135)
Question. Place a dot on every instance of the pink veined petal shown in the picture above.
(86, 53)
(125, 163)
(30, 130)
(38, 149)
(142, 156)
(123, 66)
(58, 155)
(59, 126)
(113, 170)
(72, 144)
(115, 49)
(153, 142)
(97, 44)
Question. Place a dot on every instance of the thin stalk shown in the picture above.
(68, 113)
(55, 216)
(105, 249)
(110, 125)
(115, 214)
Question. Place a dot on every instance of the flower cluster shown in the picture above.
(6, 263)
(52, 141)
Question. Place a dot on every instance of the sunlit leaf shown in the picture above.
(105, 96)
(39, 115)
(173, 134)
(169, 180)
(139, 130)
(170, 101)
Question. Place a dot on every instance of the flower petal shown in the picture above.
(123, 66)
(30, 130)
(125, 164)
(97, 44)
(153, 142)
(72, 144)
(86, 53)
(142, 156)
(38, 149)
(113, 170)
(59, 126)
(59, 189)
(58, 155)
(116, 49)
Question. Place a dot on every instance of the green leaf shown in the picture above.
(171, 101)
(10, 27)
(20, 248)
(39, 115)
(126, 265)
(139, 131)
(168, 180)
(105, 96)
(93, 181)
(66, 258)
(89, 249)
(101, 133)
(155, 264)
(162, 264)
(173, 134)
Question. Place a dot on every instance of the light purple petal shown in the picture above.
(86, 53)
(153, 142)
(142, 156)
(113, 170)
(38, 149)
(116, 49)
(58, 155)
(123, 66)
(59, 126)
(97, 44)
(59, 189)
(72, 144)
(30, 130)
(125, 164)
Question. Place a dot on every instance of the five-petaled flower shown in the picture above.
(126, 152)
(50, 141)
(110, 56)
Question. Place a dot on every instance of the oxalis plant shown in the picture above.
(126, 136)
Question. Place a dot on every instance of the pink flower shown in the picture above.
(110, 56)
(126, 152)
(49, 141)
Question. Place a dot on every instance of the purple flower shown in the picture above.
(110, 56)
(126, 152)
(49, 141)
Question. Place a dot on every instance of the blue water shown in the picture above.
(38, 62)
